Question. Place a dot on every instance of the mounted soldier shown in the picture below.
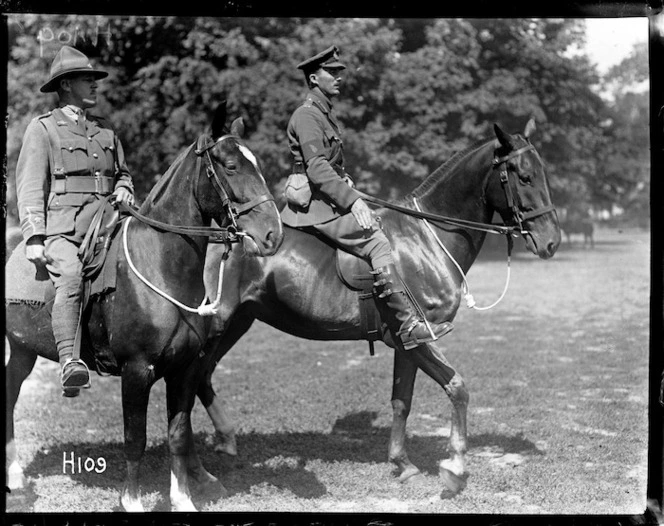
(69, 162)
(333, 208)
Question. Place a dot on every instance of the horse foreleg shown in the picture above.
(181, 391)
(215, 349)
(137, 378)
(404, 374)
(18, 368)
(452, 470)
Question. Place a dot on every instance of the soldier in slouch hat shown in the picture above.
(69, 161)
(335, 209)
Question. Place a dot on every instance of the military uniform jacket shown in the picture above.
(314, 140)
(49, 164)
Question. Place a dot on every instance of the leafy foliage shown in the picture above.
(415, 92)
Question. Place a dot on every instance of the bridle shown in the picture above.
(233, 209)
(515, 204)
(227, 235)
(519, 214)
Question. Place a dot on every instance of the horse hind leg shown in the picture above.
(453, 469)
(20, 365)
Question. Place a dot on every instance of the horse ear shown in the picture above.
(530, 128)
(219, 120)
(504, 138)
(237, 128)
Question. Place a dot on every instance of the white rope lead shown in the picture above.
(202, 310)
(470, 301)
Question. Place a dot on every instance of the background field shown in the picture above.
(557, 373)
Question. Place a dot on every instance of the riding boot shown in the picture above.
(74, 374)
(400, 316)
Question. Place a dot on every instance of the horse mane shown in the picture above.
(160, 186)
(447, 167)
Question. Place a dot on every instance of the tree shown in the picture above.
(415, 91)
(622, 174)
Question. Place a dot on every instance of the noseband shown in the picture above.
(233, 208)
(514, 201)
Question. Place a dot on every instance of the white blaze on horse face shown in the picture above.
(251, 157)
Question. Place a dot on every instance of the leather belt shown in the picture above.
(83, 184)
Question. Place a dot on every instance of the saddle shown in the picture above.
(355, 273)
(98, 254)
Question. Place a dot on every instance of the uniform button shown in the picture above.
(90, 139)
(71, 149)
(95, 155)
(97, 172)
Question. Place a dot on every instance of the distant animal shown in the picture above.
(578, 225)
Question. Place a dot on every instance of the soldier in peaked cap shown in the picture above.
(336, 210)
(69, 161)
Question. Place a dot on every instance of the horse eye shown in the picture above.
(230, 165)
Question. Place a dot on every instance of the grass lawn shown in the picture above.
(557, 373)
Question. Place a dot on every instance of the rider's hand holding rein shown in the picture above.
(122, 195)
(363, 214)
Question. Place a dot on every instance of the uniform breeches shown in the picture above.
(65, 269)
(345, 232)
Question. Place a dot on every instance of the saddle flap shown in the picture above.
(97, 241)
(354, 272)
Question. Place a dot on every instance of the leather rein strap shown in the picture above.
(514, 204)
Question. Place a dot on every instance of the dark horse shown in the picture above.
(298, 291)
(142, 335)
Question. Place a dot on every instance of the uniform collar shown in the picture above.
(317, 95)
(64, 117)
(73, 112)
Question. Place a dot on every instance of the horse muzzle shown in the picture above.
(543, 248)
(262, 248)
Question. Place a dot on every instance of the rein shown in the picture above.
(227, 235)
(515, 205)
(473, 225)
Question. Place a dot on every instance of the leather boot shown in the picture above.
(74, 374)
(401, 315)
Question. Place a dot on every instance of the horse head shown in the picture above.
(521, 191)
(247, 204)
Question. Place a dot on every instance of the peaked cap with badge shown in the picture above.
(325, 59)
(67, 61)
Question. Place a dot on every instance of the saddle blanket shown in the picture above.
(24, 283)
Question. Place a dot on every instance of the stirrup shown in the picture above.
(409, 344)
(68, 389)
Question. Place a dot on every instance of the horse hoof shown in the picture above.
(15, 478)
(203, 478)
(411, 475)
(131, 505)
(227, 448)
(454, 484)
(186, 505)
